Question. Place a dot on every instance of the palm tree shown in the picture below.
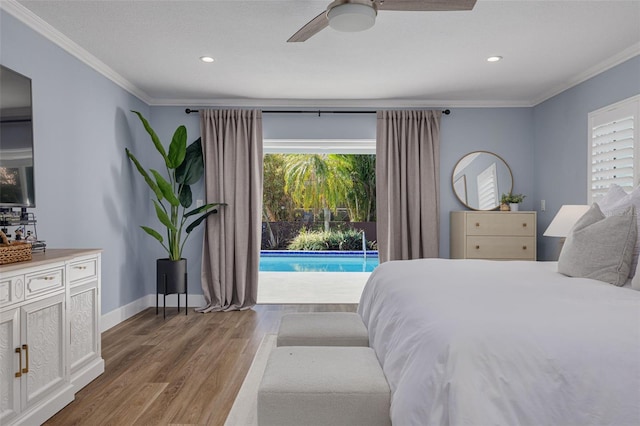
(277, 204)
(312, 183)
(358, 174)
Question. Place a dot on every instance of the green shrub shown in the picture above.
(308, 240)
(350, 239)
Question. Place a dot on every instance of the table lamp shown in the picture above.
(564, 220)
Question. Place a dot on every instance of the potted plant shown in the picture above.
(173, 198)
(512, 200)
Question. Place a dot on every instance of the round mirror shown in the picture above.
(479, 180)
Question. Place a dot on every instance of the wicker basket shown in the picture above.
(11, 252)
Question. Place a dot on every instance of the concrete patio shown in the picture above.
(311, 287)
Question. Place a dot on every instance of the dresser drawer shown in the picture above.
(11, 290)
(44, 281)
(508, 248)
(86, 269)
(509, 224)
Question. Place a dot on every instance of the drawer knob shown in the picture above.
(524, 225)
(477, 247)
(477, 224)
(80, 267)
(524, 247)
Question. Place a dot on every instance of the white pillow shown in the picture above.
(619, 206)
(613, 195)
(600, 247)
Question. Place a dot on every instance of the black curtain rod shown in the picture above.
(189, 111)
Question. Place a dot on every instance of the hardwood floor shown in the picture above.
(182, 370)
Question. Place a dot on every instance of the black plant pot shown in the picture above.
(171, 278)
(171, 273)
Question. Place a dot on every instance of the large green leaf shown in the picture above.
(166, 188)
(155, 234)
(178, 147)
(192, 168)
(154, 137)
(198, 221)
(144, 174)
(203, 209)
(163, 217)
(186, 199)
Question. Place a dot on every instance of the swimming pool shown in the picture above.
(322, 261)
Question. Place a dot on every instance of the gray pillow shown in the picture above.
(600, 247)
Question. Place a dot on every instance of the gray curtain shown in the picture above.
(407, 184)
(232, 145)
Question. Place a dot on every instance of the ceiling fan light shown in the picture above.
(352, 17)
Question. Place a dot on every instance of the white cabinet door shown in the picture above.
(43, 338)
(9, 365)
(85, 336)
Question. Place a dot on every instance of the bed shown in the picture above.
(477, 342)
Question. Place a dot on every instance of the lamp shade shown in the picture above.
(564, 220)
(351, 17)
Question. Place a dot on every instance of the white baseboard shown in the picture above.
(115, 317)
(195, 300)
(88, 372)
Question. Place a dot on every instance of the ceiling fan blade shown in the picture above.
(425, 5)
(313, 27)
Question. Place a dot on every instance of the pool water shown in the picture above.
(297, 262)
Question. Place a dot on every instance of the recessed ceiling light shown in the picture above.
(494, 58)
(206, 59)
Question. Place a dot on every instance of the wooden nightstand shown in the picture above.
(493, 235)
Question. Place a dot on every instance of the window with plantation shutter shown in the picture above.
(614, 148)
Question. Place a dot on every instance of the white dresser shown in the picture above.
(493, 235)
(49, 332)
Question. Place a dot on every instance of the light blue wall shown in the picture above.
(561, 142)
(325, 126)
(84, 194)
(507, 132)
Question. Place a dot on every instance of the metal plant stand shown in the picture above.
(162, 288)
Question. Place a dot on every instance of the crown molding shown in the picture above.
(335, 103)
(40, 26)
(628, 53)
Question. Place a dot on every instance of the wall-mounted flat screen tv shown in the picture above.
(17, 188)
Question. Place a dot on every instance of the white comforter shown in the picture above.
(473, 342)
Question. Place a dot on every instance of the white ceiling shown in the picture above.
(152, 48)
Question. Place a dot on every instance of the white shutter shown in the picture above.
(614, 147)
(488, 188)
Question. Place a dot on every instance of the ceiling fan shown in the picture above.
(359, 15)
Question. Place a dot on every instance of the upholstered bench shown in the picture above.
(312, 385)
(322, 329)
